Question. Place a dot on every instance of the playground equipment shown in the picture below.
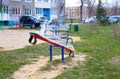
(52, 34)
(1, 19)
(7, 20)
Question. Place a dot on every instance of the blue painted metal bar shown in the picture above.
(62, 53)
(50, 52)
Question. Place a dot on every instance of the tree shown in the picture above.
(100, 12)
(91, 4)
(113, 7)
(81, 10)
(116, 6)
(0, 5)
(91, 8)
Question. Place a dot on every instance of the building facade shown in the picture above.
(43, 8)
(4, 6)
(50, 8)
(18, 8)
(21, 7)
(74, 12)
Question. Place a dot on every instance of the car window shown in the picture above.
(23, 18)
(32, 18)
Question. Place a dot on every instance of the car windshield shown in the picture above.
(114, 18)
(32, 17)
(35, 18)
(42, 17)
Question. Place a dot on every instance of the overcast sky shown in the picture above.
(77, 2)
(72, 2)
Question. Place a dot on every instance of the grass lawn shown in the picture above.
(102, 48)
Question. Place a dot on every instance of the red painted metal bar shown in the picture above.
(51, 42)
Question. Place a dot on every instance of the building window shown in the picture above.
(5, 9)
(53, 1)
(39, 11)
(27, 11)
(16, 10)
(28, 0)
(16, 0)
(39, 0)
(61, 1)
(45, 0)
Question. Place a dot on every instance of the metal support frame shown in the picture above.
(67, 34)
(62, 52)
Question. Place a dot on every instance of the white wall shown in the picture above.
(4, 17)
(42, 4)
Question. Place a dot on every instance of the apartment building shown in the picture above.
(74, 12)
(4, 5)
(43, 8)
(18, 8)
(21, 7)
(50, 8)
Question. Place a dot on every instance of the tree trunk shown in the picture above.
(81, 10)
(0, 5)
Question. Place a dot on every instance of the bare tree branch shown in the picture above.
(91, 4)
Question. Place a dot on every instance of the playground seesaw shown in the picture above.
(65, 44)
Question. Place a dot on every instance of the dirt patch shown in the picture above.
(75, 38)
(116, 61)
(32, 71)
(14, 39)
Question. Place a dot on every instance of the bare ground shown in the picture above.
(32, 71)
(115, 61)
(14, 39)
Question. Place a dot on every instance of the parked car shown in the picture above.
(85, 20)
(114, 19)
(29, 21)
(43, 19)
(105, 19)
(90, 19)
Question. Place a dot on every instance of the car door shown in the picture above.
(27, 21)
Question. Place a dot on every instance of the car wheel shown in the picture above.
(116, 22)
(32, 25)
